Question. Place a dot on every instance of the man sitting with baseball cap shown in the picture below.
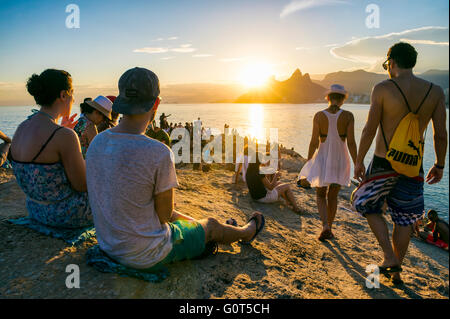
(130, 179)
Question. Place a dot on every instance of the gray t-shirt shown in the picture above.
(124, 173)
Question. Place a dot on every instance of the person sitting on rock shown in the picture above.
(131, 180)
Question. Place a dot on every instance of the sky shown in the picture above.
(200, 41)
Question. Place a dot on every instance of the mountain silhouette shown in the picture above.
(361, 82)
(297, 89)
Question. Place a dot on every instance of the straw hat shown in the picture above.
(337, 88)
(102, 104)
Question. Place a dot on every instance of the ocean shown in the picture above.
(293, 121)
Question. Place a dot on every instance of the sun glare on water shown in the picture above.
(256, 120)
(255, 74)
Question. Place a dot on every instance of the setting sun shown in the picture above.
(255, 74)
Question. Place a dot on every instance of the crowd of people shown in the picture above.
(109, 173)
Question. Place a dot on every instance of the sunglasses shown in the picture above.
(386, 63)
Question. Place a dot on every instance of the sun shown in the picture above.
(255, 74)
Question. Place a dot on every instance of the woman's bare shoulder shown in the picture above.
(348, 115)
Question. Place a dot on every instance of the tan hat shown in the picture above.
(102, 104)
(337, 88)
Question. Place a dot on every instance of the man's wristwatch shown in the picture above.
(438, 167)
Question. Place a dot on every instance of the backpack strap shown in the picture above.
(384, 136)
(426, 95)
(404, 97)
(406, 101)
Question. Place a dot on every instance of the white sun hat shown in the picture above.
(337, 88)
(102, 104)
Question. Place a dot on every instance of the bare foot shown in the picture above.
(390, 262)
(325, 234)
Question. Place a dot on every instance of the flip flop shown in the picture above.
(397, 282)
(386, 271)
(231, 222)
(258, 230)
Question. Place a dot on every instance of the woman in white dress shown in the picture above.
(328, 165)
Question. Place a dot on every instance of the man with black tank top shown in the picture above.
(391, 100)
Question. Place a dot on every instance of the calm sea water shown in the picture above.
(293, 121)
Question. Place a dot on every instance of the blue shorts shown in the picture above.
(403, 195)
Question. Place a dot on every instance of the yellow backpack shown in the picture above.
(405, 152)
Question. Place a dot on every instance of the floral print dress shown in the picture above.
(80, 128)
(50, 199)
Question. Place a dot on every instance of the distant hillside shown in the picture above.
(438, 77)
(361, 82)
(356, 82)
(297, 89)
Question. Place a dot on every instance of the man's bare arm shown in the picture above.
(369, 131)
(440, 131)
(440, 141)
(164, 206)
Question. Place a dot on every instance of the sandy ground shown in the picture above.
(285, 261)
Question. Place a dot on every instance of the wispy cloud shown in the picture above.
(233, 59)
(182, 49)
(151, 50)
(428, 42)
(155, 50)
(168, 58)
(299, 5)
(431, 42)
(172, 38)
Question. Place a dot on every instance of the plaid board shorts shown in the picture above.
(403, 195)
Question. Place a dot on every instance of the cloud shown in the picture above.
(151, 50)
(168, 58)
(226, 60)
(431, 43)
(185, 48)
(305, 48)
(185, 45)
(299, 5)
(172, 38)
(201, 55)
(182, 49)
